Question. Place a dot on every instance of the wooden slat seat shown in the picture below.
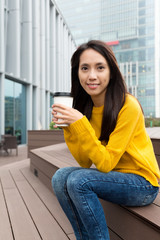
(136, 223)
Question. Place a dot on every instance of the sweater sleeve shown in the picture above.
(87, 149)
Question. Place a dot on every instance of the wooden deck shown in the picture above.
(138, 223)
(29, 210)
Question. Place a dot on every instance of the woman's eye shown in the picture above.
(84, 68)
(100, 67)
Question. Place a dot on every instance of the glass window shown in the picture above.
(51, 99)
(142, 55)
(142, 21)
(15, 110)
(142, 12)
(150, 92)
(150, 30)
(150, 41)
(142, 31)
(142, 42)
(142, 3)
(150, 54)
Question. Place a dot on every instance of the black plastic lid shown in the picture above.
(65, 94)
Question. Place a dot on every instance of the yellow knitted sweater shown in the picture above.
(129, 149)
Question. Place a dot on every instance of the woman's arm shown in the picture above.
(87, 149)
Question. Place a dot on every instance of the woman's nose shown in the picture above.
(92, 74)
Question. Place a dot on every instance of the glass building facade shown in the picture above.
(15, 110)
(35, 42)
(83, 18)
(132, 29)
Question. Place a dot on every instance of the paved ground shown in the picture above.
(7, 159)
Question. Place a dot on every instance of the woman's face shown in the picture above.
(94, 75)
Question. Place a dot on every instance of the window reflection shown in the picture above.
(15, 110)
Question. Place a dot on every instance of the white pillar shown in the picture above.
(36, 42)
(29, 107)
(53, 62)
(35, 106)
(26, 55)
(42, 64)
(2, 67)
(58, 59)
(2, 112)
(26, 45)
(64, 57)
(48, 113)
(13, 39)
(70, 52)
(47, 41)
(61, 55)
(36, 64)
(2, 56)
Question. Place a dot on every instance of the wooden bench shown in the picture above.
(42, 138)
(136, 223)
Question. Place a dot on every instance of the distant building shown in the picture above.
(132, 29)
(83, 18)
(35, 50)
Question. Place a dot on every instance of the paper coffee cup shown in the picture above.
(65, 99)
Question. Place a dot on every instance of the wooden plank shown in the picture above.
(49, 199)
(7, 182)
(43, 132)
(150, 213)
(72, 236)
(39, 144)
(63, 157)
(59, 160)
(146, 218)
(49, 137)
(41, 176)
(38, 139)
(127, 225)
(153, 132)
(22, 224)
(18, 164)
(46, 165)
(113, 235)
(47, 168)
(157, 200)
(5, 227)
(156, 146)
(45, 223)
(158, 159)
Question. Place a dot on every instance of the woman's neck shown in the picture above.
(97, 102)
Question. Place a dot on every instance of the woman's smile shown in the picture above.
(93, 85)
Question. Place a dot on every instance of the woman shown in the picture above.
(106, 129)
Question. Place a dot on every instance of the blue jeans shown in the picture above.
(78, 191)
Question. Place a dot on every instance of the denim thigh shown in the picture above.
(121, 188)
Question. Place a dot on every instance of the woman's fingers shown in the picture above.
(65, 114)
(59, 110)
(60, 106)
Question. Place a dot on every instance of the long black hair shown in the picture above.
(116, 89)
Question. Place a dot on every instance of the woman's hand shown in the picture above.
(69, 115)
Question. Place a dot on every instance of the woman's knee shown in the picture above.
(75, 181)
(59, 179)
